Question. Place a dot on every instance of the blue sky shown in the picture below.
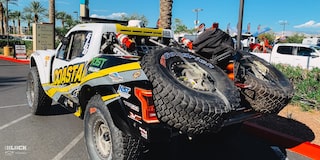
(299, 15)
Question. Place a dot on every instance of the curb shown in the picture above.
(11, 59)
(294, 144)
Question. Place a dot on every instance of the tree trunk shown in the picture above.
(52, 17)
(1, 18)
(5, 25)
(19, 26)
(29, 27)
(165, 14)
(52, 11)
(36, 18)
(14, 27)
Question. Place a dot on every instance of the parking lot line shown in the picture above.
(17, 105)
(68, 147)
(15, 121)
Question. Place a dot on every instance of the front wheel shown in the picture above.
(38, 100)
(103, 139)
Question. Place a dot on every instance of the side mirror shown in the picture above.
(314, 55)
(65, 40)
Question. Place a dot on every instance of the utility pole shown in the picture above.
(283, 23)
(240, 20)
(197, 10)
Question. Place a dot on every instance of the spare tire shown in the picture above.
(189, 93)
(268, 90)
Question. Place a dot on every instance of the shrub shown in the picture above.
(306, 84)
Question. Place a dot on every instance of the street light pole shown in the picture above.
(197, 10)
(7, 21)
(76, 12)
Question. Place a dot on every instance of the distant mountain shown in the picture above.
(305, 33)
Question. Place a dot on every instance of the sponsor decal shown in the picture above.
(168, 55)
(86, 44)
(93, 69)
(124, 91)
(98, 62)
(115, 77)
(136, 74)
(68, 74)
(46, 59)
(143, 133)
(131, 106)
(135, 117)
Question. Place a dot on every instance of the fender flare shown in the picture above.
(117, 113)
(39, 62)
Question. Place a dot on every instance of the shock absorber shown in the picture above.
(125, 41)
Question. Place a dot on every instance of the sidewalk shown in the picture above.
(11, 59)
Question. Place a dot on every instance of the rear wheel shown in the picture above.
(103, 139)
(38, 100)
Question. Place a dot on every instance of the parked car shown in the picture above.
(27, 38)
(294, 54)
(4, 37)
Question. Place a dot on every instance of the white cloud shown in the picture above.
(101, 10)
(309, 24)
(112, 16)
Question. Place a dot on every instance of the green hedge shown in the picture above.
(29, 44)
(11, 42)
(306, 84)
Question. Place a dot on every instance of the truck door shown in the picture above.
(70, 59)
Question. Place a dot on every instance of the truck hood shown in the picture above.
(43, 53)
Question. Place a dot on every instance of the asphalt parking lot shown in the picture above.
(59, 135)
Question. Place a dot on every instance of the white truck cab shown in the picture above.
(294, 54)
(311, 41)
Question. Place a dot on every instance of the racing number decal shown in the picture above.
(68, 74)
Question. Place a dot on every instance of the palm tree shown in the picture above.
(63, 16)
(3, 18)
(28, 18)
(52, 18)
(37, 9)
(15, 15)
(165, 14)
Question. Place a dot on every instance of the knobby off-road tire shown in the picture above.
(38, 100)
(189, 110)
(269, 89)
(103, 139)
